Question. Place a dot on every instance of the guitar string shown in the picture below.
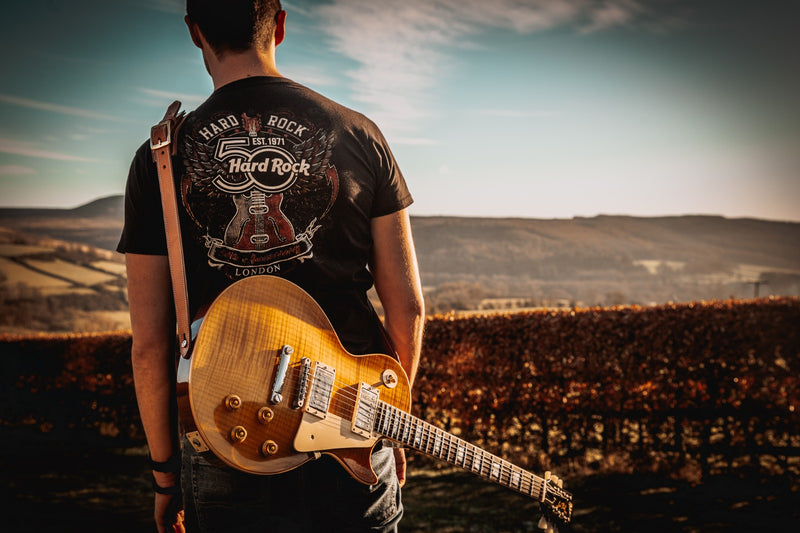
(500, 470)
(443, 446)
(470, 452)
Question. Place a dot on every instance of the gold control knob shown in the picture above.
(238, 434)
(232, 402)
(270, 447)
(265, 415)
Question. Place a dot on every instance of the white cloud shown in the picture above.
(307, 75)
(400, 48)
(57, 108)
(613, 13)
(10, 146)
(163, 98)
(518, 113)
(292, 7)
(16, 170)
(519, 15)
(413, 141)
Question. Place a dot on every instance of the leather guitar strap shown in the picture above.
(161, 145)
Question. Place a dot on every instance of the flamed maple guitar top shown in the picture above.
(236, 355)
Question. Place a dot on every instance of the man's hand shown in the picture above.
(400, 465)
(169, 513)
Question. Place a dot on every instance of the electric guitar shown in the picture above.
(259, 222)
(269, 386)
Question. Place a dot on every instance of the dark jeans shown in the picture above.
(319, 496)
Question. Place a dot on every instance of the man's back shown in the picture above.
(273, 178)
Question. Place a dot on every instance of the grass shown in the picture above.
(70, 486)
(75, 273)
(457, 502)
(117, 268)
(16, 274)
(13, 250)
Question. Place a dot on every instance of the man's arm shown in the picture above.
(396, 273)
(153, 360)
(394, 267)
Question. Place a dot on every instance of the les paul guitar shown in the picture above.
(269, 386)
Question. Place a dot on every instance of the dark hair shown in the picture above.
(235, 25)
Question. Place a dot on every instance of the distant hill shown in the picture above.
(109, 207)
(521, 246)
(607, 260)
(491, 263)
(97, 223)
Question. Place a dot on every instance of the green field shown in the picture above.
(59, 286)
(16, 274)
(77, 274)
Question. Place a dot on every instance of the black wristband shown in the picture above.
(170, 466)
(174, 490)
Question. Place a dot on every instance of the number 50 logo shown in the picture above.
(268, 168)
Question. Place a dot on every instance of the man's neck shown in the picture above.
(236, 66)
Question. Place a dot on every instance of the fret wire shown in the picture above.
(449, 446)
(419, 434)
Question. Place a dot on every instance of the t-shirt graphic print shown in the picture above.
(257, 188)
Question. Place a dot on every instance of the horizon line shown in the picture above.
(477, 217)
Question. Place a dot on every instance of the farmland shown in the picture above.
(59, 286)
(466, 264)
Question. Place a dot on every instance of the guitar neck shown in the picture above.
(399, 426)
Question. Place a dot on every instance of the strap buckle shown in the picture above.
(161, 134)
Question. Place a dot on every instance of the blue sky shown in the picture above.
(524, 108)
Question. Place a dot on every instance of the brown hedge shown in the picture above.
(736, 354)
(507, 381)
(545, 384)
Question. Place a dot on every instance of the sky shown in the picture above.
(502, 108)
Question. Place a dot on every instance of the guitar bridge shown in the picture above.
(302, 387)
(365, 411)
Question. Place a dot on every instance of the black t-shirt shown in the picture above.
(273, 178)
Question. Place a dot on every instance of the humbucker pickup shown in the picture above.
(321, 389)
(365, 411)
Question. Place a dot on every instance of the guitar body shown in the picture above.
(235, 371)
(259, 222)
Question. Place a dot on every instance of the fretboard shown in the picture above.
(409, 430)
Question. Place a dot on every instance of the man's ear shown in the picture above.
(194, 31)
(280, 27)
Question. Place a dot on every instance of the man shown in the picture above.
(271, 178)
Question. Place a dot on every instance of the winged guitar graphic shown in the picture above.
(251, 194)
